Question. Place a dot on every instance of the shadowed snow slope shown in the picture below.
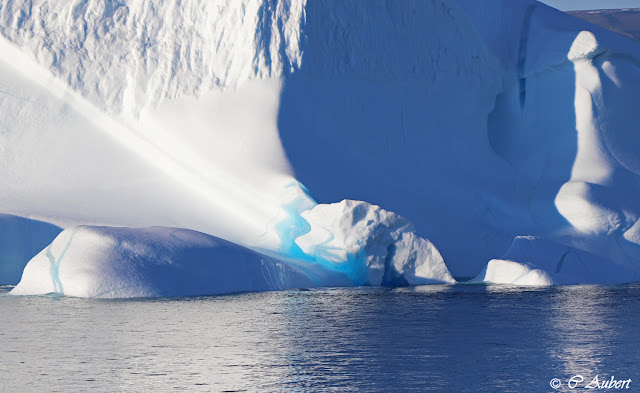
(20, 240)
(479, 121)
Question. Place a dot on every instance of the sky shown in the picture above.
(567, 5)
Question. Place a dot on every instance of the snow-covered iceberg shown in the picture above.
(350, 243)
(479, 121)
(107, 262)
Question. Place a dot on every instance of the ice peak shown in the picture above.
(584, 47)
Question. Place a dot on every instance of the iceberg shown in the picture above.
(108, 262)
(349, 243)
(477, 121)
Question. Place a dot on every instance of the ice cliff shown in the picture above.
(477, 121)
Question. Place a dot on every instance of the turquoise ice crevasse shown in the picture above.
(290, 225)
(55, 263)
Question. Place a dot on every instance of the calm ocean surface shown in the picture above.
(463, 338)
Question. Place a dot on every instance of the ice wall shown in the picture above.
(488, 122)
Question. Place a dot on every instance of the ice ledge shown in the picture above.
(536, 261)
(342, 244)
(109, 262)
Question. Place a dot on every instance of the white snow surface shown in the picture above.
(108, 262)
(479, 121)
(122, 56)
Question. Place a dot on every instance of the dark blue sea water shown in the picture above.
(463, 338)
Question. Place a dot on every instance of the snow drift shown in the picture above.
(478, 121)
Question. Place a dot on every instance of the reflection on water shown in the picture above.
(434, 338)
(588, 327)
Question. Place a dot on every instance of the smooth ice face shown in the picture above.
(107, 262)
(540, 262)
